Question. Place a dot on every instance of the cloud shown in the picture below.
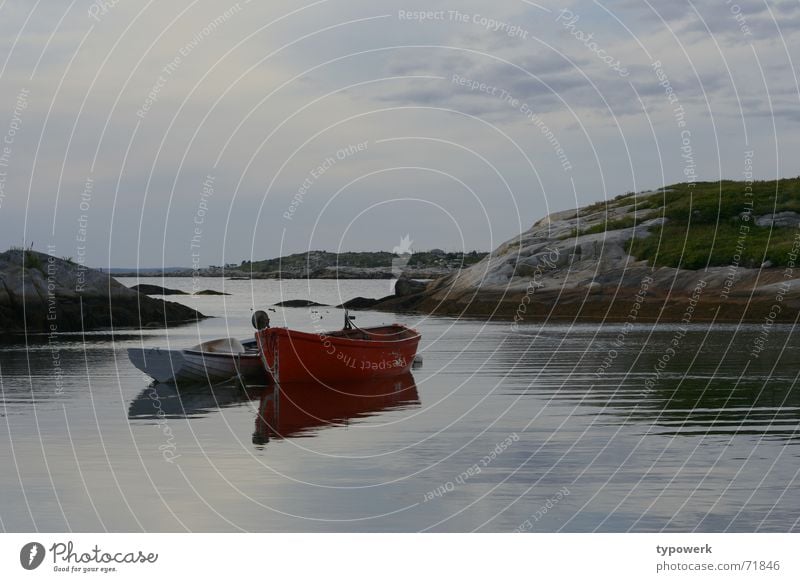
(739, 21)
(260, 105)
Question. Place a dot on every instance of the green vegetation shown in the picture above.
(618, 224)
(32, 261)
(713, 224)
(321, 259)
(621, 200)
(627, 221)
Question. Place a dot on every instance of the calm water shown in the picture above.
(498, 431)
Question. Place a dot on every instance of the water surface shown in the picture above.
(549, 428)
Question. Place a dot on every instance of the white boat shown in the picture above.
(214, 360)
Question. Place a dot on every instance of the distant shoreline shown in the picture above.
(430, 264)
(240, 276)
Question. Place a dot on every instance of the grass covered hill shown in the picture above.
(708, 251)
(711, 224)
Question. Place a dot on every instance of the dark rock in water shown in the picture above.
(41, 293)
(157, 290)
(406, 286)
(359, 303)
(299, 303)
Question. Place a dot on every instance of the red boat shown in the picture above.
(351, 353)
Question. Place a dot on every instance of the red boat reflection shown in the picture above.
(300, 408)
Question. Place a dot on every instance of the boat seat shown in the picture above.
(226, 345)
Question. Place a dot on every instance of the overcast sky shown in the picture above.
(203, 132)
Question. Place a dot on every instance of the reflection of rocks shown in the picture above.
(38, 291)
(705, 385)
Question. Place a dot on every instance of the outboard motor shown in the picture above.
(260, 320)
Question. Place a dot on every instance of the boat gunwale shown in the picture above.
(293, 334)
(250, 354)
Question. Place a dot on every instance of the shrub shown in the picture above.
(31, 261)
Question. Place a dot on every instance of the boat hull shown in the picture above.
(354, 355)
(212, 366)
(188, 366)
(160, 365)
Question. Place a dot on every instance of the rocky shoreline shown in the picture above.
(568, 267)
(576, 265)
(40, 293)
(637, 295)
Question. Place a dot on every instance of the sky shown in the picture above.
(206, 133)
